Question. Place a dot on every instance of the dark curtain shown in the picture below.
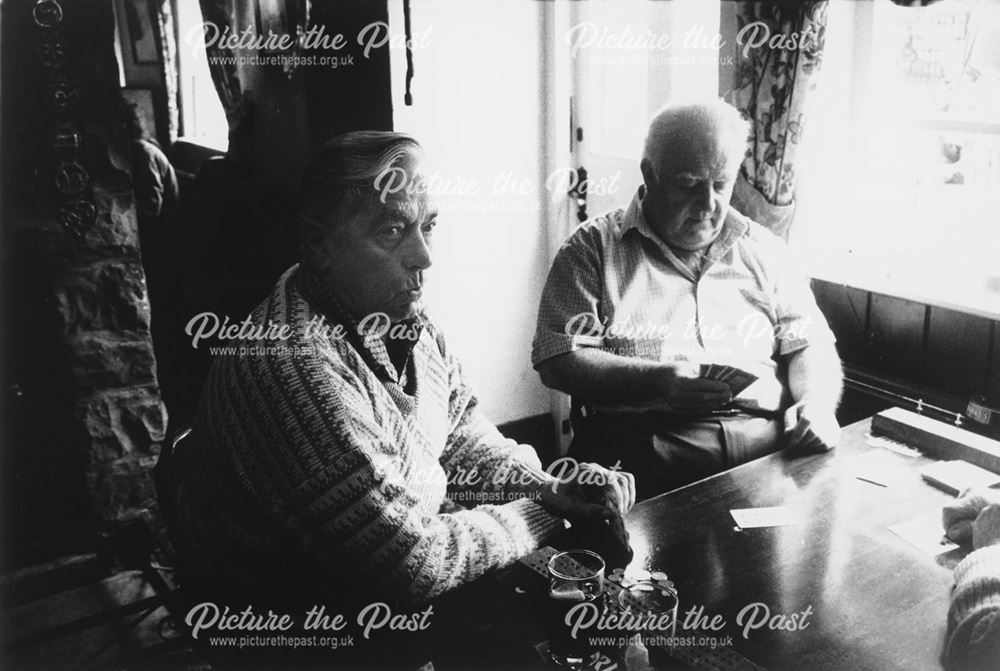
(771, 87)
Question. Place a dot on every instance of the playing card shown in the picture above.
(737, 379)
(774, 516)
(956, 476)
(925, 534)
(740, 380)
(879, 468)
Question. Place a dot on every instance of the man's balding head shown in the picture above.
(689, 165)
(680, 123)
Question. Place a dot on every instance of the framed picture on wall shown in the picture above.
(141, 21)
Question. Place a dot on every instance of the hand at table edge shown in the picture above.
(973, 518)
(811, 426)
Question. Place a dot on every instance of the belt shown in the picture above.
(731, 409)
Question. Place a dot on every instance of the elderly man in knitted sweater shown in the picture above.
(328, 451)
(974, 618)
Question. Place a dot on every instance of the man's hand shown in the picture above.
(564, 497)
(611, 380)
(687, 394)
(986, 528)
(974, 511)
(811, 427)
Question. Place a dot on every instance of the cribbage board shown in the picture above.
(703, 659)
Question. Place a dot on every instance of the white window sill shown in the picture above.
(979, 296)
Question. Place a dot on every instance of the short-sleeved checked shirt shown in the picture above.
(617, 286)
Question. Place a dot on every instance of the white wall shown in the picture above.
(478, 111)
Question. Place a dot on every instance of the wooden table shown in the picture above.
(876, 602)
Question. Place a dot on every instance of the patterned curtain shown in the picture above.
(168, 60)
(225, 75)
(771, 86)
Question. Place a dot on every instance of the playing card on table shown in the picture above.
(877, 474)
(772, 516)
(956, 476)
(925, 534)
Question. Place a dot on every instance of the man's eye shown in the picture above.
(687, 184)
(720, 186)
(393, 232)
(428, 227)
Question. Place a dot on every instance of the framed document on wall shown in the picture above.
(141, 22)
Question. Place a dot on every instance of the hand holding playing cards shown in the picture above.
(565, 497)
(974, 516)
(686, 393)
(811, 427)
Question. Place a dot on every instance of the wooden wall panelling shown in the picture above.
(994, 384)
(845, 308)
(957, 352)
(897, 330)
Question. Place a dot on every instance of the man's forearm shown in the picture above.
(602, 377)
(815, 376)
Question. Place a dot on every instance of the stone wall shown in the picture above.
(94, 402)
(102, 305)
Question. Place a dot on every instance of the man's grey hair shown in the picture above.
(679, 121)
(341, 177)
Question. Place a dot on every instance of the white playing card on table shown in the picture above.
(925, 534)
(772, 516)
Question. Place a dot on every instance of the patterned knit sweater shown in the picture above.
(319, 471)
(974, 617)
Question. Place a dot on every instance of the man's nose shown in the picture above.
(706, 199)
(418, 251)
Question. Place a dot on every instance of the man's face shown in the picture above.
(687, 195)
(375, 261)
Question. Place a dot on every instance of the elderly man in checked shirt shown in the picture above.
(639, 298)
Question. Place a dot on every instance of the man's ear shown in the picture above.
(313, 245)
(648, 175)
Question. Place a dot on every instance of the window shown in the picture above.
(901, 178)
(202, 118)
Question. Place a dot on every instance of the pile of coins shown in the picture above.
(648, 594)
(641, 580)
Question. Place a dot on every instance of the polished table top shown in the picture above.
(875, 601)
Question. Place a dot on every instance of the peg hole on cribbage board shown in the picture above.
(538, 561)
(701, 658)
(711, 659)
